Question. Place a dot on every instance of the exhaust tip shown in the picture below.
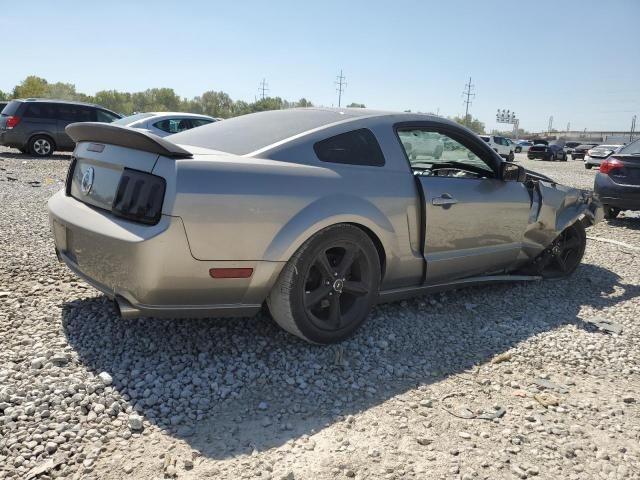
(125, 309)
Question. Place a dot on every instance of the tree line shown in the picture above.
(212, 102)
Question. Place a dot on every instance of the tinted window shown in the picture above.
(173, 125)
(104, 116)
(199, 122)
(632, 148)
(75, 113)
(358, 147)
(39, 110)
(11, 108)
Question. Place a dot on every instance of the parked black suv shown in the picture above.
(37, 125)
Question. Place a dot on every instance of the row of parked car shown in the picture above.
(37, 126)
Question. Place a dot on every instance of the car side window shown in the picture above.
(358, 147)
(105, 117)
(435, 153)
(199, 122)
(39, 110)
(85, 114)
(173, 125)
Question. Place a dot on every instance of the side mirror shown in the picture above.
(510, 172)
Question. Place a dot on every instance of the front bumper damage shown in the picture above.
(555, 207)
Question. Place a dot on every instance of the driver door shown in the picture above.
(475, 222)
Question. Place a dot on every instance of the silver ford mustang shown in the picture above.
(319, 213)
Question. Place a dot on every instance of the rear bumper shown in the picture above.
(593, 160)
(624, 197)
(11, 138)
(150, 269)
(538, 155)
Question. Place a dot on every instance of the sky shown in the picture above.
(578, 61)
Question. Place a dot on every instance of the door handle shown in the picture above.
(444, 200)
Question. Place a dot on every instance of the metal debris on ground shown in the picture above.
(605, 325)
(541, 382)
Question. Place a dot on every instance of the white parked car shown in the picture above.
(595, 156)
(503, 146)
(165, 123)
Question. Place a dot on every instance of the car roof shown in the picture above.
(179, 114)
(255, 131)
(54, 100)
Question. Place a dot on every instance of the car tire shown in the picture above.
(511, 157)
(562, 257)
(588, 166)
(611, 212)
(565, 157)
(327, 288)
(41, 146)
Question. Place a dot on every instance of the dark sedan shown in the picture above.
(618, 181)
(544, 150)
(580, 151)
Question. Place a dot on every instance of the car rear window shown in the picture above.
(249, 133)
(131, 119)
(632, 148)
(358, 147)
(11, 108)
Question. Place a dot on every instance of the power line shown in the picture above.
(340, 85)
(263, 89)
(468, 94)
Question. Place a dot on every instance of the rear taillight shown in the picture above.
(139, 197)
(12, 121)
(610, 164)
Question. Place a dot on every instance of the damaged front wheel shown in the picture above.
(562, 257)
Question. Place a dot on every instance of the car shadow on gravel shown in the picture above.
(27, 157)
(630, 223)
(227, 387)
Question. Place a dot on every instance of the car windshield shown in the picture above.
(632, 148)
(132, 118)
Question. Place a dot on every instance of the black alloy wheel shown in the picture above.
(562, 257)
(328, 287)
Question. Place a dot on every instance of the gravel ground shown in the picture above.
(496, 382)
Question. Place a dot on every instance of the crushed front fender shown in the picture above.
(554, 207)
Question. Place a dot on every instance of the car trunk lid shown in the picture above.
(629, 172)
(111, 169)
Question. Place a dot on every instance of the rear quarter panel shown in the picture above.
(239, 208)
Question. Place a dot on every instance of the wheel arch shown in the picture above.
(334, 210)
(42, 134)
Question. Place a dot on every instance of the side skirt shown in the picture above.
(408, 292)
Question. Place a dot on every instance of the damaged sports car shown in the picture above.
(314, 213)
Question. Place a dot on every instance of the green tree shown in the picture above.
(356, 105)
(472, 123)
(303, 102)
(4, 96)
(119, 102)
(63, 91)
(31, 86)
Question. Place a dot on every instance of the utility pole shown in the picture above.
(633, 127)
(550, 124)
(340, 85)
(263, 89)
(468, 95)
(568, 126)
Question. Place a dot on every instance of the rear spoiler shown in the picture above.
(124, 137)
